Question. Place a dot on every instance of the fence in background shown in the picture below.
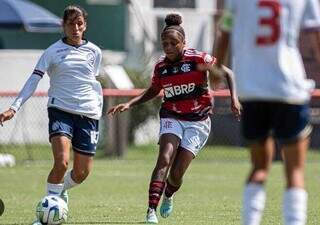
(26, 135)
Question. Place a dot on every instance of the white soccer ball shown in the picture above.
(52, 210)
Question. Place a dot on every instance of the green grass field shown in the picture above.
(116, 191)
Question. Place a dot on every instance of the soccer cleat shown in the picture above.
(36, 222)
(64, 196)
(166, 206)
(151, 217)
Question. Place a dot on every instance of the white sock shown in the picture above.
(295, 206)
(54, 189)
(254, 198)
(68, 181)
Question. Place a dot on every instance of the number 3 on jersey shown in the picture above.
(272, 22)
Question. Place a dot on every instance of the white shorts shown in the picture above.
(193, 134)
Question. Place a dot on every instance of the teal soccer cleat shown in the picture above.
(166, 206)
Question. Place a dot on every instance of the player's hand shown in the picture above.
(119, 108)
(6, 115)
(236, 108)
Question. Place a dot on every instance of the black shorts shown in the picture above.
(82, 131)
(285, 122)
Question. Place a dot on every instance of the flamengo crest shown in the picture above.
(186, 67)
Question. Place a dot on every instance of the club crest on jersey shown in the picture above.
(176, 90)
(90, 58)
(186, 67)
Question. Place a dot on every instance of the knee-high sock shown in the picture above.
(295, 206)
(254, 198)
(68, 181)
(54, 189)
(155, 192)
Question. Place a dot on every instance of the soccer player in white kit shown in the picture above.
(274, 92)
(74, 105)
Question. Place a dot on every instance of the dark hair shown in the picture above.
(74, 10)
(173, 22)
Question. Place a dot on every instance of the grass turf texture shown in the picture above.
(116, 191)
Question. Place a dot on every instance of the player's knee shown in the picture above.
(80, 175)
(163, 162)
(61, 166)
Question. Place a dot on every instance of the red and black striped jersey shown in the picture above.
(186, 94)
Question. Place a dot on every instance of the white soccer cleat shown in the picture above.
(36, 222)
(151, 217)
(64, 195)
(166, 206)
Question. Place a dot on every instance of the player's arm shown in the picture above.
(223, 37)
(26, 92)
(216, 71)
(317, 38)
(235, 104)
(145, 96)
(311, 23)
(221, 52)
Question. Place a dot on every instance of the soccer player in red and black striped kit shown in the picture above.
(184, 115)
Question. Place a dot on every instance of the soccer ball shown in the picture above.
(52, 210)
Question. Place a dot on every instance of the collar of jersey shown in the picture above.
(85, 41)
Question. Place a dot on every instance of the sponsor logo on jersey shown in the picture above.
(179, 90)
(62, 50)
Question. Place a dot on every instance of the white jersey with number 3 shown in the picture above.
(267, 63)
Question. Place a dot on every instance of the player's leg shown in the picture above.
(256, 126)
(82, 166)
(167, 150)
(254, 195)
(194, 137)
(170, 136)
(294, 133)
(61, 153)
(295, 197)
(174, 181)
(84, 144)
(60, 135)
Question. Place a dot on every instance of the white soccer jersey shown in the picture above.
(73, 85)
(266, 60)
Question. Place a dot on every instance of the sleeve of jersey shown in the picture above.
(311, 17)
(155, 80)
(32, 83)
(43, 64)
(208, 59)
(97, 63)
(26, 92)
